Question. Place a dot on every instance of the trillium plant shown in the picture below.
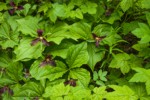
(74, 49)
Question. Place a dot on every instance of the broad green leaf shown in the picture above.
(128, 27)
(77, 55)
(94, 55)
(142, 32)
(30, 89)
(99, 93)
(82, 76)
(78, 93)
(8, 38)
(121, 61)
(77, 13)
(126, 4)
(28, 25)
(44, 7)
(60, 50)
(57, 10)
(99, 82)
(80, 30)
(143, 49)
(135, 61)
(148, 18)
(25, 51)
(142, 75)
(6, 81)
(114, 17)
(145, 4)
(49, 72)
(58, 90)
(120, 93)
(58, 32)
(26, 9)
(89, 7)
(3, 6)
(95, 76)
(14, 71)
(4, 60)
(140, 90)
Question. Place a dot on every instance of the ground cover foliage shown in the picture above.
(75, 49)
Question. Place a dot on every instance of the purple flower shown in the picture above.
(40, 38)
(14, 8)
(97, 39)
(48, 61)
(6, 89)
(71, 82)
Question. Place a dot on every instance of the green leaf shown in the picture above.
(44, 7)
(80, 30)
(25, 51)
(78, 93)
(89, 7)
(3, 6)
(28, 25)
(143, 49)
(82, 76)
(58, 32)
(148, 18)
(57, 10)
(6, 81)
(60, 50)
(99, 82)
(30, 89)
(56, 91)
(126, 4)
(14, 71)
(128, 27)
(49, 72)
(142, 32)
(95, 76)
(114, 17)
(94, 55)
(121, 92)
(77, 13)
(140, 90)
(142, 75)
(145, 4)
(121, 61)
(77, 55)
(4, 60)
(99, 93)
(26, 9)
(8, 38)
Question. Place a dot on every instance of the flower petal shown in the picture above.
(35, 41)
(52, 63)
(12, 4)
(40, 32)
(97, 43)
(11, 11)
(43, 63)
(20, 8)
(94, 35)
(44, 41)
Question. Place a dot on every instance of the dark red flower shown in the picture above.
(98, 39)
(6, 89)
(71, 82)
(40, 38)
(14, 8)
(48, 61)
